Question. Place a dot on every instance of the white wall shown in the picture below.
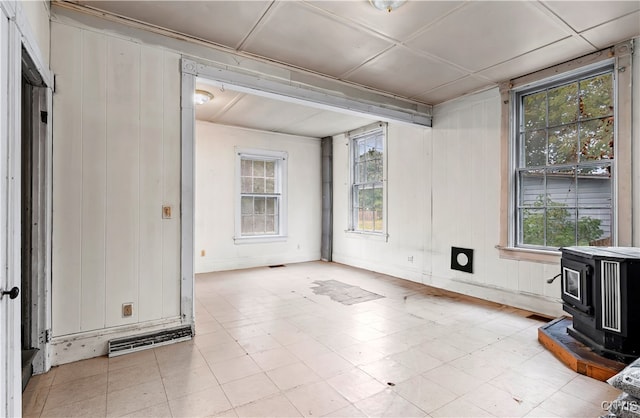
(409, 210)
(215, 199)
(444, 190)
(116, 147)
(37, 16)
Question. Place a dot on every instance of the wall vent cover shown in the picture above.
(462, 259)
(120, 346)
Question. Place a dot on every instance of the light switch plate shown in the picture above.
(166, 212)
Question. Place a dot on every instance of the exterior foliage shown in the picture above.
(561, 227)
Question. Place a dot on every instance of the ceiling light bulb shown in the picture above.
(387, 5)
(202, 96)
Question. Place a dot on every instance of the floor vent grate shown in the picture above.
(120, 346)
(540, 318)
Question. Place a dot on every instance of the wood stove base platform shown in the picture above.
(577, 356)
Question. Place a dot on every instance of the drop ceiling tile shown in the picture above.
(404, 72)
(264, 114)
(613, 32)
(326, 123)
(452, 90)
(223, 22)
(582, 15)
(301, 35)
(486, 32)
(398, 24)
(556, 53)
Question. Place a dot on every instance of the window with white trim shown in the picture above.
(367, 179)
(564, 158)
(261, 179)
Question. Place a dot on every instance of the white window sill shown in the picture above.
(259, 239)
(376, 236)
(530, 254)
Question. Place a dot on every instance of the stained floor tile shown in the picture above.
(266, 345)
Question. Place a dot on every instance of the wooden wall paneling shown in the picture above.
(123, 154)
(150, 172)
(171, 277)
(67, 187)
(94, 177)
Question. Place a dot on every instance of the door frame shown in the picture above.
(15, 36)
(41, 214)
(10, 189)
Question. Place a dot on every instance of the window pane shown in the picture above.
(596, 139)
(270, 168)
(563, 104)
(377, 199)
(270, 186)
(246, 204)
(259, 205)
(594, 227)
(532, 189)
(561, 188)
(532, 226)
(246, 185)
(270, 225)
(247, 224)
(535, 111)
(573, 204)
(271, 206)
(594, 184)
(246, 167)
(258, 224)
(561, 226)
(362, 151)
(379, 144)
(258, 185)
(535, 148)
(374, 168)
(377, 216)
(258, 169)
(596, 96)
(563, 145)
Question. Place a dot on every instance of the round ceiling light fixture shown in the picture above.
(387, 5)
(202, 96)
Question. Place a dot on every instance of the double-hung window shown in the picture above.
(367, 179)
(564, 160)
(261, 195)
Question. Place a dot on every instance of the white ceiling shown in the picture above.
(425, 51)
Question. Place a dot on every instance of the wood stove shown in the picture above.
(601, 290)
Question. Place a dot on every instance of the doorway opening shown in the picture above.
(35, 220)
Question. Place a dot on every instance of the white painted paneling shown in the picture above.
(215, 197)
(37, 16)
(444, 190)
(94, 179)
(123, 188)
(171, 186)
(116, 163)
(408, 210)
(67, 184)
(150, 193)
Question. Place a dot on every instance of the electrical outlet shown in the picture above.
(127, 309)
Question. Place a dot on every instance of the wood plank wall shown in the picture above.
(116, 147)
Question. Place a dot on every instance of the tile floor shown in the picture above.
(267, 345)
